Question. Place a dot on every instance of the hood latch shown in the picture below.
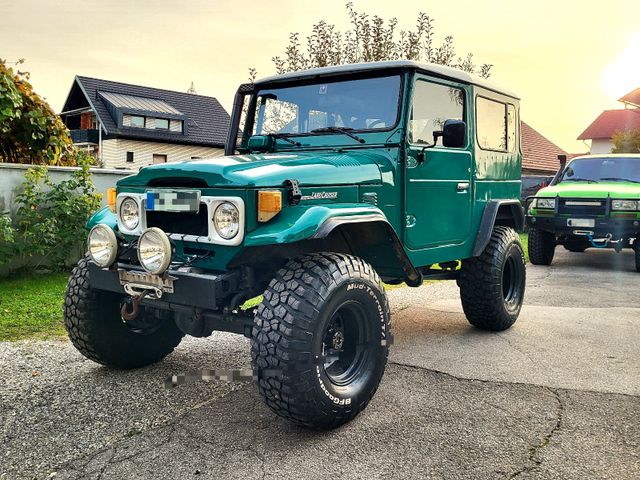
(294, 191)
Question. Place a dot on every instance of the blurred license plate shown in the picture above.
(173, 201)
(581, 222)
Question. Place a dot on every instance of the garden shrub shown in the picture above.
(49, 225)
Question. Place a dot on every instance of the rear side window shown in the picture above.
(432, 105)
(496, 125)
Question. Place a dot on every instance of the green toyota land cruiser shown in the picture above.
(592, 202)
(336, 180)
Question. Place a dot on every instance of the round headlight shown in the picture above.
(154, 250)
(226, 219)
(102, 245)
(129, 213)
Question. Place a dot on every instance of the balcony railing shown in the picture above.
(85, 136)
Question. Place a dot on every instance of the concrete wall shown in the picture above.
(601, 145)
(114, 152)
(12, 176)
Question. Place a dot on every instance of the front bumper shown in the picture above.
(190, 290)
(616, 227)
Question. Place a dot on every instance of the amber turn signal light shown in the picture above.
(269, 204)
(111, 199)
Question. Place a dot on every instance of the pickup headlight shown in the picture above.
(102, 245)
(625, 205)
(549, 203)
(129, 213)
(226, 220)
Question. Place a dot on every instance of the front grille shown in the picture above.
(181, 222)
(582, 207)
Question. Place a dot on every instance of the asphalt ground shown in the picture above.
(556, 396)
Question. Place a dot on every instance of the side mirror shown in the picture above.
(261, 143)
(453, 134)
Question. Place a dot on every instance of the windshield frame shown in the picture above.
(249, 125)
(563, 179)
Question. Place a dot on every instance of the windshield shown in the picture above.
(364, 104)
(608, 169)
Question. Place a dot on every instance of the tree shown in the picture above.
(30, 131)
(372, 39)
(626, 141)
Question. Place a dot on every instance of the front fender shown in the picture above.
(104, 215)
(301, 222)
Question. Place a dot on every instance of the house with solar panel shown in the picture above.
(131, 126)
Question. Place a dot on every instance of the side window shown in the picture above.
(432, 105)
(512, 132)
(496, 125)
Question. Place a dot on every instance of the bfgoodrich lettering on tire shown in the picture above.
(323, 332)
(492, 285)
(95, 327)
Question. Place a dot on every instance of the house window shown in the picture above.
(137, 121)
(159, 158)
(492, 124)
(195, 158)
(129, 157)
(162, 123)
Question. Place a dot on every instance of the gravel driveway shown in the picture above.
(556, 396)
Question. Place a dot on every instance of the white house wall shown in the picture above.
(599, 146)
(114, 152)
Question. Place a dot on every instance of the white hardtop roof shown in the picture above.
(439, 70)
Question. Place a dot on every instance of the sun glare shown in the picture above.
(623, 74)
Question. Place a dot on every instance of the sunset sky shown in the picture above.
(568, 60)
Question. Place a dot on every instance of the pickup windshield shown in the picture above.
(328, 107)
(605, 169)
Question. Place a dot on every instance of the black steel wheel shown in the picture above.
(492, 285)
(322, 333)
(95, 327)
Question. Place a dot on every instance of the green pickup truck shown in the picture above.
(593, 202)
(335, 180)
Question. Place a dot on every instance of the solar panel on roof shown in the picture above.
(120, 100)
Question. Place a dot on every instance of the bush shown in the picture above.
(30, 131)
(49, 226)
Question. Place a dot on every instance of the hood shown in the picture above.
(592, 190)
(271, 170)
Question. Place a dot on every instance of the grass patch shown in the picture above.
(524, 240)
(31, 306)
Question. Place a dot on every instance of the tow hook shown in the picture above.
(137, 293)
(134, 301)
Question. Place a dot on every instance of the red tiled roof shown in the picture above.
(632, 97)
(610, 121)
(538, 152)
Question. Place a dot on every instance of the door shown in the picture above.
(438, 188)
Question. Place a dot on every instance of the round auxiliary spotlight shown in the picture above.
(154, 250)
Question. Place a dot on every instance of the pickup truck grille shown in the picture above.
(582, 207)
(181, 222)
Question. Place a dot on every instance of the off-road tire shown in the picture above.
(542, 246)
(289, 335)
(92, 320)
(492, 285)
(636, 249)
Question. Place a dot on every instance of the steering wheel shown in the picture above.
(376, 122)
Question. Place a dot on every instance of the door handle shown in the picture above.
(462, 187)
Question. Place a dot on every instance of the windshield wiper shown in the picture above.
(621, 179)
(285, 138)
(578, 180)
(343, 130)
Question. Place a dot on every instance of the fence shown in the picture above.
(12, 176)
